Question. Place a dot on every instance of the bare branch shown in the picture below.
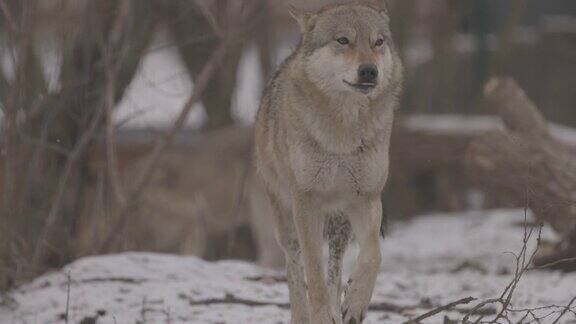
(568, 307)
(56, 207)
(478, 307)
(151, 163)
(555, 263)
(11, 22)
(110, 139)
(110, 71)
(441, 309)
(68, 284)
(523, 262)
(210, 15)
(4, 89)
(161, 144)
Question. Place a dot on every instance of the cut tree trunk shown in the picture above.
(428, 154)
(526, 163)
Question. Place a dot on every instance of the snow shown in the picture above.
(564, 133)
(453, 124)
(428, 261)
(558, 23)
(161, 86)
(450, 124)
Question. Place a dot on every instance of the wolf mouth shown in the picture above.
(362, 87)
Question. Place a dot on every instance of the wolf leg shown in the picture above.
(365, 219)
(288, 241)
(338, 234)
(270, 255)
(309, 226)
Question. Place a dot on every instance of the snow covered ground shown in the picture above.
(429, 261)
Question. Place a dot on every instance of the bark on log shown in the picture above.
(525, 162)
(428, 164)
(426, 169)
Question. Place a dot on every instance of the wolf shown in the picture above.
(322, 137)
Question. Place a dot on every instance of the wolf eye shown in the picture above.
(343, 41)
(379, 42)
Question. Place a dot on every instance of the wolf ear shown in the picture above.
(380, 5)
(305, 19)
(384, 8)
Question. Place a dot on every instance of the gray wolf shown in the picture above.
(322, 139)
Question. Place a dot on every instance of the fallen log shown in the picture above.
(428, 154)
(525, 162)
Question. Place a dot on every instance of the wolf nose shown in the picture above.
(367, 73)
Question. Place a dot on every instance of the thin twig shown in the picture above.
(441, 309)
(109, 101)
(557, 262)
(522, 265)
(209, 14)
(523, 262)
(8, 15)
(110, 140)
(565, 311)
(68, 284)
(4, 86)
(239, 195)
(478, 307)
(57, 202)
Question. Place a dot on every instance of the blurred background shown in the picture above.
(126, 124)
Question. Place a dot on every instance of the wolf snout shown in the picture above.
(367, 74)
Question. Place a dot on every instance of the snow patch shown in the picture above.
(428, 261)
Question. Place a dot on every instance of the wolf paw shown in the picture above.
(325, 316)
(354, 319)
(355, 305)
(351, 316)
(299, 319)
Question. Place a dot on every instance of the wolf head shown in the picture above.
(348, 48)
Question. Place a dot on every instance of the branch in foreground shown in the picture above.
(524, 259)
(568, 308)
(231, 299)
(441, 309)
(380, 307)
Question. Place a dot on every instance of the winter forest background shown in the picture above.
(125, 126)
